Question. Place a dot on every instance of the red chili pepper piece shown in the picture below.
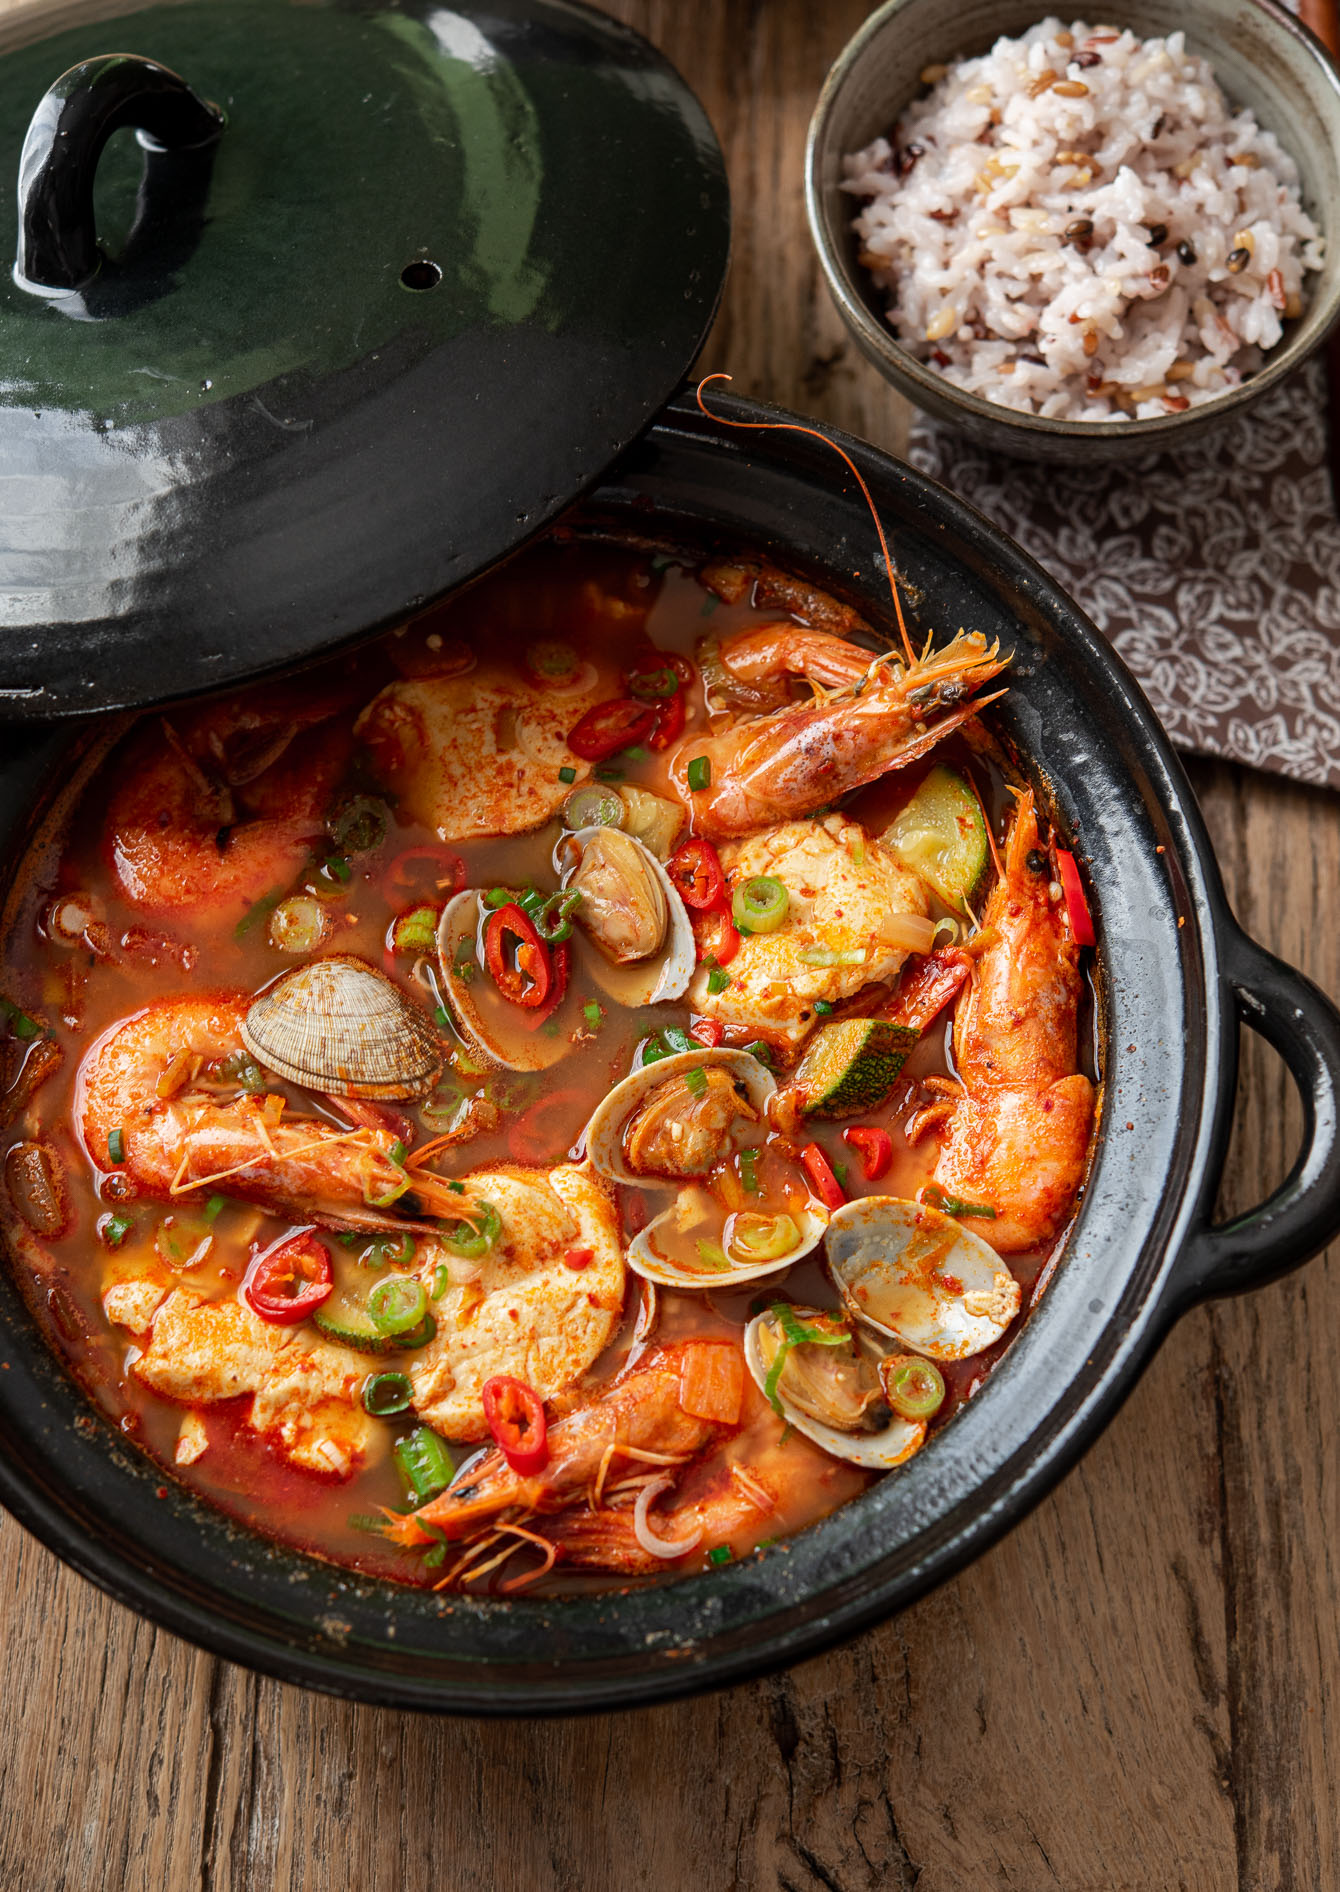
(1076, 906)
(822, 1180)
(527, 978)
(874, 1147)
(516, 1419)
(546, 1128)
(670, 719)
(579, 1258)
(560, 961)
(717, 935)
(708, 1031)
(286, 1283)
(647, 675)
(611, 726)
(696, 873)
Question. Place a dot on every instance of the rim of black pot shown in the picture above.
(1169, 1034)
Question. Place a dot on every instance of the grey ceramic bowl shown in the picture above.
(1262, 58)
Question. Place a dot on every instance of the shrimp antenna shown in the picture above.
(794, 427)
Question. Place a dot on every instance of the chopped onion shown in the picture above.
(653, 1545)
(909, 932)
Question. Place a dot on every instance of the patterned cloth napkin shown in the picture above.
(1215, 571)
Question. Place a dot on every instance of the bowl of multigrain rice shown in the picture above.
(1080, 239)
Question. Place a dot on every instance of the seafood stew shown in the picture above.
(565, 1098)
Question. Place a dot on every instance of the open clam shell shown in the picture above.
(648, 1259)
(340, 1026)
(504, 1032)
(878, 1447)
(605, 1133)
(912, 1273)
(642, 946)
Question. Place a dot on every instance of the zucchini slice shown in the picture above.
(852, 1065)
(941, 835)
(345, 1318)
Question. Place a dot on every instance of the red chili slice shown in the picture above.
(525, 976)
(560, 961)
(418, 867)
(1076, 906)
(646, 676)
(579, 1258)
(717, 935)
(670, 719)
(286, 1283)
(708, 1031)
(546, 1128)
(874, 1147)
(695, 870)
(516, 1419)
(822, 1180)
(611, 726)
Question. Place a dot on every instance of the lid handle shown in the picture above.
(58, 241)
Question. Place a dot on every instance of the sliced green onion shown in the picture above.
(364, 1521)
(239, 1068)
(385, 1394)
(388, 1248)
(384, 1198)
(424, 1464)
(497, 897)
(397, 1305)
(441, 1281)
(654, 1050)
(827, 956)
(360, 825)
(653, 683)
(257, 911)
(699, 773)
(398, 1152)
(349, 1237)
(215, 1207)
(823, 1007)
(441, 1017)
(337, 868)
(712, 1255)
(116, 1146)
(748, 1161)
(609, 775)
(696, 1080)
(114, 1229)
(719, 1554)
(955, 1205)
(760, 905)
(464, 1238)
(678, 1039)
(761, 1051)
(458, 1187)
(840, 1171)
(567, 775)
(415, 931)
(181, 1242)
(20, 1023)
(435, 1556)
(636, 754)
(915, 1388)
(763, 1237)
(795, 1333)
(717, 980)
(710, 604)
(417, 1336)
(592, 1013)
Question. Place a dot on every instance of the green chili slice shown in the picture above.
(699, 774)
(397, 1305)
(116, 1146)
(423, 1463)
(552, 918)
(470, 1239)
(719, 1554)
(388, 1248)
(114, 1229)
(417, 1336)
(385, 1394)
(760, 905)
(415, 931)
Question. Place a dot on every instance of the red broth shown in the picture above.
(603, 600)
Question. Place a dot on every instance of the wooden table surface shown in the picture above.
(1136, 1689)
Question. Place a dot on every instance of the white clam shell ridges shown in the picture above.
(340, 1026)
(876, 1451)
(912, 1273)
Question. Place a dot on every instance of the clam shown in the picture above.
(633, 1126)
(505, 1032)
(912, 1273)
(340, 1026)
(831, 1394)
(632, 915)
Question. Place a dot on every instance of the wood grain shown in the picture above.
(1135, 1692)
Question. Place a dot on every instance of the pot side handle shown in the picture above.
(1303, 1214)
(58, 250)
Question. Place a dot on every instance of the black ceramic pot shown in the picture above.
(1177, 978)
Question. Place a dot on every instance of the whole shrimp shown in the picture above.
(1017, 1122)
(871, 714)
(213, 809)
(164, 1083)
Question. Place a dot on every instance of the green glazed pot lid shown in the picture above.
(384, 296)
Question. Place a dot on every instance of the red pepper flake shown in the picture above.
(579, 1258)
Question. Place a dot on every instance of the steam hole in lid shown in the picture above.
(421, 274)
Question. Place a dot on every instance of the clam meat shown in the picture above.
(676, 1118)
(812, 1367)
(631, 914)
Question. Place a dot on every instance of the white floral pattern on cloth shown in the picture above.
(1214, 570)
